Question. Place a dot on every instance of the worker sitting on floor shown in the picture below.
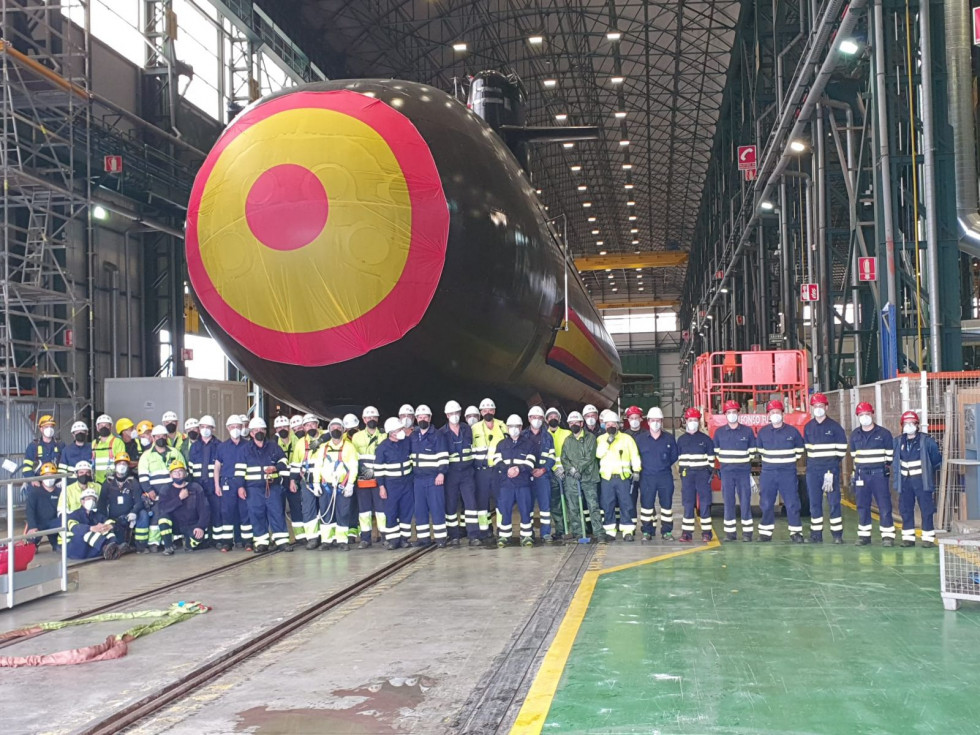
(42, 506)
(90, 533)
(183, 510)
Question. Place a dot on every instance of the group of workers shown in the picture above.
(146, 486)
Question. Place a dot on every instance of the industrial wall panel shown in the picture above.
(148, 398)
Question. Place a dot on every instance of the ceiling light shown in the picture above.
(630, 203)
(535, 40)
(766, 205)
(602, 252)
(576, 168)
(620, 114)
(99, 212)
(639, 270)
(624, 142)
(627, 166)
(723, 290)
(627, 186)
(849, 47)
(586, 204)
(567, 145)
(633, 232)
(591, 219)
(537, 191)
(611, 276)
(797, 146)
(600, 242)
(459, 47)
(608, 270)
(582, 187)
(595, 232)
(635, 242)
(550, 83)
(561, 117)
(617, 80)
(615, 289)
(632, 218)
(640, 288)
(614, 35)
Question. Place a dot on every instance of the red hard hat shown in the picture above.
(634, 411)
(775, 406)
(730, 406)
(910, 416)
(692, 413)
(819, 399)
(864, 407)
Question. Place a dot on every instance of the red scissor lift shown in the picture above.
(753, 379)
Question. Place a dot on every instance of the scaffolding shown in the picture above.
(45, 109)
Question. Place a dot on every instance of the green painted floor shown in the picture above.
(753, 638)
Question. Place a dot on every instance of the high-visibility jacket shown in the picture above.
(154, 469)
(301, 460)
(825, 443)
(558, 437)
(287, 444)
(177, 441)
(460, 446)
(39, 453)
(734, 448)
(779, 448)
(366, 444)
(335, 465)
(695, 452)
(619, 457)
(873, 449)
(71, 499)
(105, 451)
(483, 437)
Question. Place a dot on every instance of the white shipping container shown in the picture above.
(149, 398)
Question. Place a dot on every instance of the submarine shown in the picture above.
(379, 242)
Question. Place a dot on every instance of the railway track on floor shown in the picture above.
(147, 594)
(158, 700)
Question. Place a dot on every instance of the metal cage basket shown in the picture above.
(959, 569)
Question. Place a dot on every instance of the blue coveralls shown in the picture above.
(83, 542)
(826, 447)
(696, 459)
(264, 495)
(117, 500)
(656, 481)
(917, 459)
(734, 448)
(201, 459)
(872, 452)
(38, 453)
(179, 518)
(517, 453)
(460, 483)
(42, 513)
(232, 517)
(430, 457)
(544, 449)
(779, 449)
(393, 470)
(73, 454)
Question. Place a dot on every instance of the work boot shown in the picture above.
(501, 543)
(455, 542)
(747, 536)
(765, 539)
(547, 539)
(928, 544)
(441, 544)
(686, 537)
(154, 548)
(288, 548)
(796, 538)
(475, 542)
(906, 543)
(608, 539)
(110, 551)
(125, 549)
(863, 541)
(527, 541)
(648, 537)
(168, 550)
(816, 537)
(888, 542)
(706, 536)
(731, 536)
(556, 538)
(838, 537)
(261, 549)
(628, 537)
(312, 544)
(365, 544)
(343, 546)
(668, 536)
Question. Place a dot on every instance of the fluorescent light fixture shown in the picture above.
(632, 218)
(620, 114)
(640, 288)
(459, 47)
(766, 206)
(611, 276)
(614, 35)
(550, 83)
(608, 270)
(617, 80)
(591, 219)
(537, 191)
(602, 252)
(600, 243)
(567, 145)
(627, 186)
(595, 232)
(582, 187)
(576, 167)
(630, 203)
(723, 290)
(627, 166)
(586, 204)
(635, 242)
(797, 146)
(849, 47)
(99, 212)
(624, 142)
(535, 40)
(561, 117)
(615, 290)
(633, 232)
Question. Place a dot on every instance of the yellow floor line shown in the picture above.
(534, 711)
(876, 517)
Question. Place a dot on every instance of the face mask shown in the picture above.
(423, 424)
(400, 435)
(206, 433)
(655, 425)
(472, 420)
(145, 441)
(161, 442)
(553, 423)
(865, 420)
(350, 433)
(193, 435)
(692, 426)
(171, 428)
(259, 436)
(634, 424)
(88, 504)
(234, 433)
(372, 424)
(775, 419)
(336, 434)
(819, 412)
(453, 418)
(611, 430)
(47, 432)
(488, 416)
(312, 432)
(514, 432)
(122, 469)
(732, 418)
(179, 481)
(590, 421)
(910, 429)
(536, 424)
(49, 483)
(81, 438)
(407, 422)
(283, 433)
(576, 428)
(103, 431)
(84, 479)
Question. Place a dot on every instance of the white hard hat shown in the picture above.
(472, 411)
(295, 421)
(423, 410)
(191, 424)
(89, 492)
(487, 404)
(79, 426)
(335, 422)
(589, 409)
(351, 422)
(575, 416)
(655, 413)
(406, 410)
(280, 422)
(393, 424)
(257, 423)
(243, 419)
(309, 418)
(370, 412)
(607, 416)
(554, 411)
(103, 419)
(233, 420)
(535, 411)
(453, 407)
(207, 420)
(169, 416)
(159, 430)
(514, 420)
(83, 465)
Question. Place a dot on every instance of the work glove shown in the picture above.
(574, 473)
(636, 478)
(348, 491)
(828, 482)
(753, 482)
(131, 518)
(316, 489)
(367, 473)
(559, 472)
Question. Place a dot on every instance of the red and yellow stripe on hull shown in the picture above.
(578, 354)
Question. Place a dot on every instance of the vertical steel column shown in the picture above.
(821, 312)
(929, 185)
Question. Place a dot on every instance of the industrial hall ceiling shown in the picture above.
(649, 74)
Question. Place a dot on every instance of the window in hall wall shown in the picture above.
(641, 323)
(114, 22)
(197, 41)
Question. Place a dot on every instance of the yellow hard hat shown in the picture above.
(123, 424)
(122, 457)
(176, 464)
(48, 468)
(144, 427)
(46, 419)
